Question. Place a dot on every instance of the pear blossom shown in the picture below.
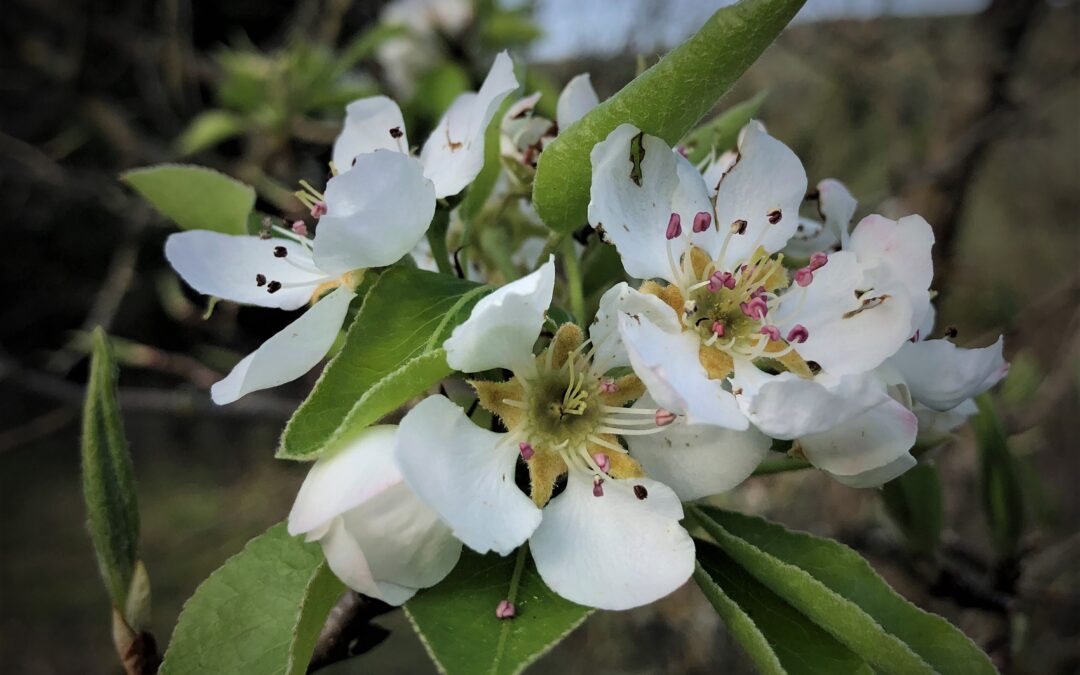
(374, 211)
(730, 338)
(377, 536)
(524, 134)
(404, 58)
(611, 538)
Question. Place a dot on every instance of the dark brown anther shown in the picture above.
(640, 492)
(260, 280)
(951, 332)
(273, 287)
(774, 216)
(396, 132)
(813, 195)
(739, 226)
(280, 251)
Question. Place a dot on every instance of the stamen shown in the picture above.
(663, 417)
(674, 227)
(514, 403)
(628, 411)
(774, 216)
(608, 386)
(280, 251)
(798, 333)
(951, 332)
(772, 331)
(640, 492)
(739, 226)
(756, 308)
(818, 260)
(318, 210)
(260, 280)
(273, 287)
(597, 486)
(602, 461)
(505, 610)
(300, 228)
(702, 221)
(803, 276)
(720, 280)
(526, 450)
(593, 438)
(718, 329)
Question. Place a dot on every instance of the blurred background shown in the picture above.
(965, 111)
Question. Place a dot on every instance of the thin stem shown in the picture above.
(573, 280)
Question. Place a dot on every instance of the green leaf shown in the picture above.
(456, 619)
(195, 197)
(1000, 484)
(207, 130)
(722, 133)
(260, 612)
(392, 352)
(774, 634)
(914, 503)
(108, 479)
(836, 589)
(667, 100)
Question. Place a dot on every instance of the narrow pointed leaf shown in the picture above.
(667, 100)
(194, 197)
(774, 634)
(914, 503)
(999, 479)
(259, 613)
(108, 478)
(456, 619)
(722, 133)
(392, 353)
(839, 591)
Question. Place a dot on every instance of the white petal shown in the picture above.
(837, 207)
(290, 353)
(404, 540)
(466, 474)
(879, 476)
(787, 406)
(604, 331)
(375, 213)
(716, 169)
(902, 248)
(941, 375)
(616, 551)
(843, 337)
(577, 98)
(503, 326)
(635, 217)
(767, 177)
(691, 197)
(668, 364)
(343, 480)
(347, 561)
(861, 446)
(454, 153)
(368, 125)
(698, 461)
(934, 424)
(225, 266)
(810, 237)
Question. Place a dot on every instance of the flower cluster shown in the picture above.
(748, 324)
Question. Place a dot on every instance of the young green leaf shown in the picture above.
(392, 352)
(457, 623)
(999, 479)
(722, 133)
(914, 503)
(667, 100)
(194, 197)
(260, 612)
(774, 634)
(108, 480)
(207, 130)
(836, 589)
